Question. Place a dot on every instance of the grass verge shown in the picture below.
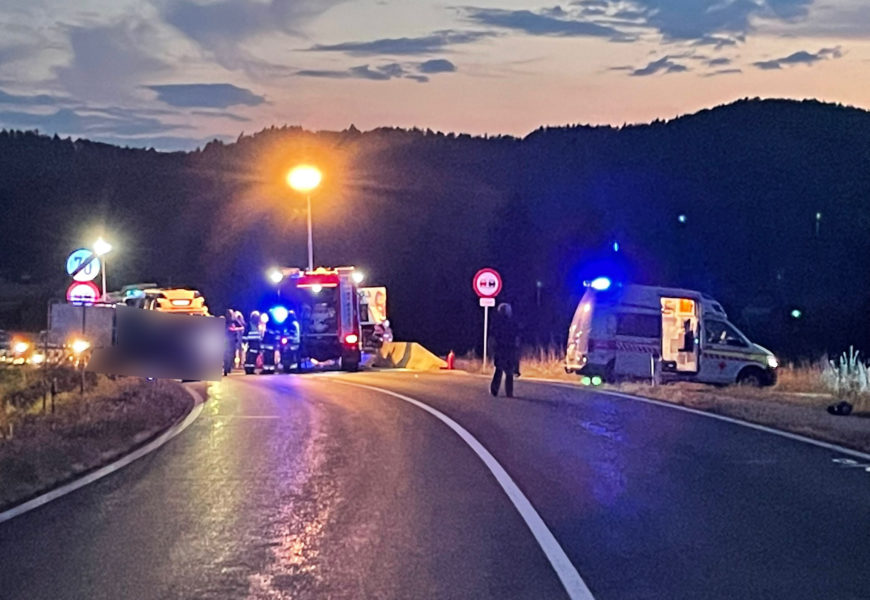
(85, 432)
(797, 403)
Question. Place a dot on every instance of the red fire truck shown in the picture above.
(326, 304)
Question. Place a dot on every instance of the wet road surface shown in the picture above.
(307, 487)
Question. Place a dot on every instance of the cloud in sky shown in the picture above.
(88, 122)
(719, 61)
(108, 61)
(541, 23)
(31, 100)
(663, 65)
(221, 115)
(801, 57)
(701, 19)
(434, 42)
(217, 23)
(205, 95)
(418, 72)
(212, 64)
(718, 72)
(437, 65)
(382, 73)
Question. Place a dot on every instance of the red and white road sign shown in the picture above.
(487, 283)
(82, 292)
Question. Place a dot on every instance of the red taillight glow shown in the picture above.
(351, 338)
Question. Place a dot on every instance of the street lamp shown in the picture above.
(306, 178)
(275, 275)
(101, 248)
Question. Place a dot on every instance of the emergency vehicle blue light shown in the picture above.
(600, 284)
(279, 314)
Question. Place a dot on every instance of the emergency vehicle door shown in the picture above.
(680, 347)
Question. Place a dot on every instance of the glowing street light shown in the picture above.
(358, 277)
(304, 179)
(101, 248)
(275, 276)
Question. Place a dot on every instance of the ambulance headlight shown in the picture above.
(772, 362)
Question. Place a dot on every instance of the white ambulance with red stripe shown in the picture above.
(647, 332)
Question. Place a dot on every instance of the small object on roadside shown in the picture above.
(840, 408)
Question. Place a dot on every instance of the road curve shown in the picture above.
(307, 487)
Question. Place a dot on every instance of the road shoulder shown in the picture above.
(53, 455)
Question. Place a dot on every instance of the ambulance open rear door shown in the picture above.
(680, 347)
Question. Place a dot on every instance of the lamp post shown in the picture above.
(305, 178)
(101, 248)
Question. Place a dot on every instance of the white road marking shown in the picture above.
(695, 411)
(111, 467)
(568, 575)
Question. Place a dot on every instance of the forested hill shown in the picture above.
(764, 204)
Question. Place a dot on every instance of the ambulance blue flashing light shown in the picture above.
(279, 314)
(600, 284)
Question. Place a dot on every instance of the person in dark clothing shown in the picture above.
(505, 341)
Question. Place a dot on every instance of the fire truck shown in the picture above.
(326, 304)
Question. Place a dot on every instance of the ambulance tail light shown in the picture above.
(351, 339)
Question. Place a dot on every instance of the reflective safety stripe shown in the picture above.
(622, 346)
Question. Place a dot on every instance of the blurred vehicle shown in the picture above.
(638, 331)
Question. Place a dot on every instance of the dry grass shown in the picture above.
(85, 431)
(797, 403)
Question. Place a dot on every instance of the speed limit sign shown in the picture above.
(487, 283)
(83, 265)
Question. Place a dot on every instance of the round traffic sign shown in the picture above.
(83, 265)
(82, 292)
(487, 283)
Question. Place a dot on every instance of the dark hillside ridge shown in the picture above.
(420, 211)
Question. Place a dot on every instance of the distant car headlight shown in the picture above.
(772, 362)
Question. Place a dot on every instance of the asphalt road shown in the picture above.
(308, 487)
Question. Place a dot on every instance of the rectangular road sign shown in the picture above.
(490, 302)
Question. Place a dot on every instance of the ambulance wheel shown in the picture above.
(751, 377)
(350, 365)
(249, 370)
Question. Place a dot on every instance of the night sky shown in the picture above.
(173, 74)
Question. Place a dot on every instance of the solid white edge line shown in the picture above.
(786, 434)
(565, 570)
(111, 467)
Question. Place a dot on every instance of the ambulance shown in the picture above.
(663, 334)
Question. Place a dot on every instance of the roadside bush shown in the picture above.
(848, 376)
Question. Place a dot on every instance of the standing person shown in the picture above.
(505, 338)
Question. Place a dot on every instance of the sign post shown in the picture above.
(487, 285)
